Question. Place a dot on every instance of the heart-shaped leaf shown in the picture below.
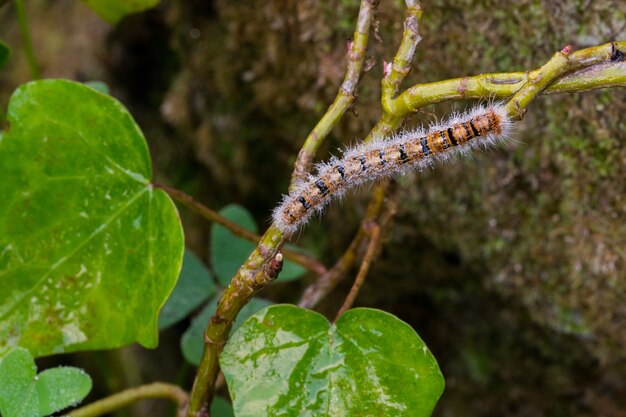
(287, 361)
(89, 250)
(114, 10)
(25, 394)
(195, 285)
(228, 251)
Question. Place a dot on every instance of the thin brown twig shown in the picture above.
(315, 292)
(188, 201)
(130, 396)
(372, 247)
(346, 95)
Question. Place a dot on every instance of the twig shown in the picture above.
(26, 41)
(372, 247)
(188, 201)
(346, 95)
(130, 396)
(400, 67)
(561, 63)
(324, 284)
(586, 69)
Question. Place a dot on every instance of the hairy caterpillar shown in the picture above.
(403, 152)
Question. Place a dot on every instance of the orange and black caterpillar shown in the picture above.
(403, 152)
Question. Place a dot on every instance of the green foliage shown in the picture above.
(114, 10)
(194, 286)
(289, 361)
(5, 52)
(99, 86)
(221, 408)
(192, 342)
(23, 393)
(89, 250)
(228, 251)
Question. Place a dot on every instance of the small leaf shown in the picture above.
(89, 250)
(99, 86)
(228, 251)
(114, 10)
(192, 342)
(22, 394)
(5, 52)
(289, 361)
(195, 285)
(221, 408)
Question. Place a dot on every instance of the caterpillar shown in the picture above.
(403, 152)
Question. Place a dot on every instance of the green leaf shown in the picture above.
(100, 86)
(195, 285)
(289, 361)
(25, 394)
(5, 52)
(291, 270)
(114, 10)
(89, 250)
(192, 342)
(229, 252)
(221, 408)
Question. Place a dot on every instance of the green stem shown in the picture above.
(401, 64)
(345, 97)
(26, 41)
(130, 396)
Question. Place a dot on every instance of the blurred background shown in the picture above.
(511, 265)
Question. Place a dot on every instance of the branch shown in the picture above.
(130, 396)
(346, 95)
(591, 68)
(188, 201)
(400, 67)
(561, 63)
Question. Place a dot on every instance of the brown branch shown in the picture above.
(372, 247)
(346, 95)
(130, 396)
(188, 201)
(380, 211)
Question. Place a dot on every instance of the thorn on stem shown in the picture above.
(386, 68)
